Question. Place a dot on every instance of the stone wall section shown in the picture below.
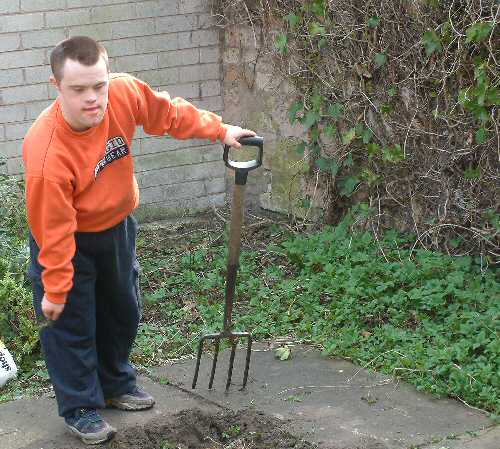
(258, 97)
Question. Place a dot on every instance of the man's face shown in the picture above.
(83, 93)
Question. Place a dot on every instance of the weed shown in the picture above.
(18, 328)
(233, 432)
(164, 381)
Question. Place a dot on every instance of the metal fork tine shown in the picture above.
(247, 362)
(231, 363)
(198, 360)
(214, 363)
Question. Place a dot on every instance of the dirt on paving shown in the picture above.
(197, 429)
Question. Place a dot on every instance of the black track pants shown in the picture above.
(87, 349)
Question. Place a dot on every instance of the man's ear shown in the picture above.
(54, 82)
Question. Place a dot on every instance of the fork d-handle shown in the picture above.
(242, 168)
(241, 171)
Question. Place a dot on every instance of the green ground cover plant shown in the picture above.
(16, 318)
(18, 328)
(422, 316)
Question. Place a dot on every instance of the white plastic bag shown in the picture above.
(8, 368)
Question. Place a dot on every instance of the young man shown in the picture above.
(80, 193)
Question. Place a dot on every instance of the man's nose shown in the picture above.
(91, 96)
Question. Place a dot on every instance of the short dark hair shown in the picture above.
(83, 49)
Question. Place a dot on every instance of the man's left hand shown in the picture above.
(234, 133)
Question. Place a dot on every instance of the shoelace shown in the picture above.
(90, 415)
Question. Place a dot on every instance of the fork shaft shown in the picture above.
(234, 253)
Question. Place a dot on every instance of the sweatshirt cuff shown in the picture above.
(56, 298)
(221, 135)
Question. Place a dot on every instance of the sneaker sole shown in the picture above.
(107, 434)
(128, 406)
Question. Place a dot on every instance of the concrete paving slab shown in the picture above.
(333, 402)
(34, 424)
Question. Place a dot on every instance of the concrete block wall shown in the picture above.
(171, 44)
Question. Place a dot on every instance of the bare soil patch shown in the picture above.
(196, 429)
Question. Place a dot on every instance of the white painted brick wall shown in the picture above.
(171, 44)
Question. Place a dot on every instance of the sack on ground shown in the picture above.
(8, 368)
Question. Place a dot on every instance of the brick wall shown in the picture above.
(171, 44)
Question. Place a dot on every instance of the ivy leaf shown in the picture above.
(367, 135)
(432, 43)
(386, 108)
(349, 185)
(463, 97)
(369, 176)
(481, 135)
(374, 22)
(478, 32)
(318, 8)
(349, 136)
(317, 102)
(328, 165)
(292, 111)
(281, 43)
(314, 134)
(493, 218)
(305, 203)
(472, 173)
(455, 243)
(336, 111)
(393, 154)
(480, 72)
(283, 353)
(330, 130)
(316, 29)
(392, 92)
(359, 128)
(300, 148)
(492, 96)
(292, 19)
(380, 59)
(334, 167)
(310, 119)
(373, 149)
(323, 164)
(481, 113)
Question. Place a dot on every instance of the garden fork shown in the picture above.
(241, 170)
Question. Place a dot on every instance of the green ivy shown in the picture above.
(428, 318)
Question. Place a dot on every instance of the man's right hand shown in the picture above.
(50, 310)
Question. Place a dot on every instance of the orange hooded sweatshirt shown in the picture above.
(84, 181)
